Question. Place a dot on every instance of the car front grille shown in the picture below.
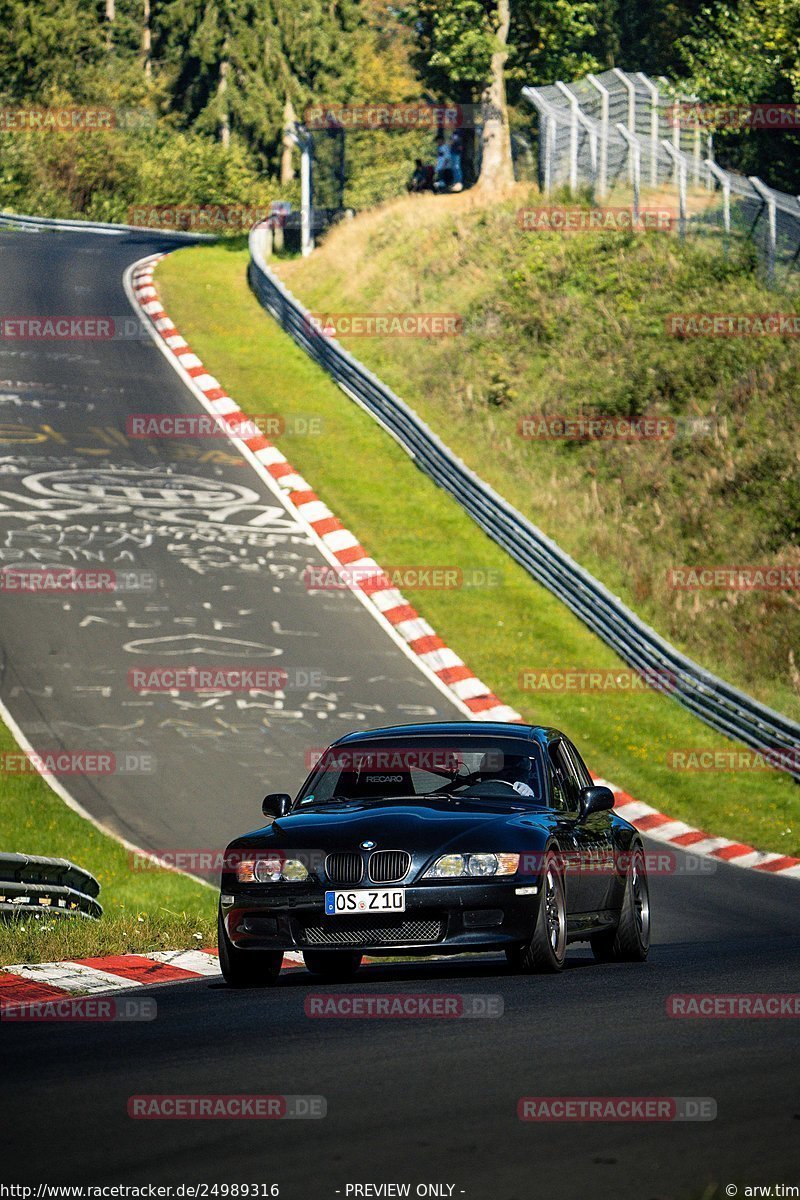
(344, 867)
(371, 933)
(389, 866)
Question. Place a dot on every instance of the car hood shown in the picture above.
(419, 824)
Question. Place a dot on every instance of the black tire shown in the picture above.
(333, 964)
(547, 948)
(246, 968)
(630, 940)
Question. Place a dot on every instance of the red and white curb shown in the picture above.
(343, 548)
(43, 982)
(441, 663)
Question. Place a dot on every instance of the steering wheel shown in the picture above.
(495, 782)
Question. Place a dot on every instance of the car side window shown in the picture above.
(564, 788)
(580, 769)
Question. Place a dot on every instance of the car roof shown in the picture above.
(466, 729)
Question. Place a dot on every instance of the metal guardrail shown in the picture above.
(11, 220)
(34, 886)
(710, 698)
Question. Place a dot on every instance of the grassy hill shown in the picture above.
(573, 325)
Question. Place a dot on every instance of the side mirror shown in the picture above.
(595, 799)
(276, 804)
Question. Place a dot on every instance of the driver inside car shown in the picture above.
(506, 768)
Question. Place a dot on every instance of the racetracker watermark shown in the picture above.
(62, 581)
(436, 759)
(77, 762)
(225, 678)
(716, 116)
(592, 679)
(577, 219)
(226, 1108)
(647, 1109)
(56, 329)
(200, 218)
(57, 120)
(734, 579)
(777, 758)
(421, 325)
(402, 1006)
(732, 325)
(386, 116)
(726, 1006)
(174, 425)
(412, 577)
(212, 862)
(595, 427)
(601, 862)
(81, 1009)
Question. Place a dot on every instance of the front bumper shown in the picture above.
(456, 918)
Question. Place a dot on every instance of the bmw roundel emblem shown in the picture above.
(367, 845)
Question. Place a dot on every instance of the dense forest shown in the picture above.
(200, 90)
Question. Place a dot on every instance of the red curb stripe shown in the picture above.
(779, 864)
(401, 612)
(16, 989)
(217, 393)
(256, 443)
(455, 674)
(325, 524)
(734, 851)
(298, 498)
(379, 582)
(196, 372)
(481, 703)
(169, 332)
(652, 821)
(425, 645)
(279, 469)
(351, 554)
(689, 839)
(135, 966)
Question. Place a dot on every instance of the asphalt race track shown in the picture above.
(408, 1101)
(222, 562)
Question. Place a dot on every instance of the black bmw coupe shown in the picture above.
(436, 839)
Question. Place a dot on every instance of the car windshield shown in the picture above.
(456, 767)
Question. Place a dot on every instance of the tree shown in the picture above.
(497, 169)
(750, 54)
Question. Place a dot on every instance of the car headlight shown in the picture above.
(455, 866)
(270, 868)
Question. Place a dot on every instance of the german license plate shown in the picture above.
(364, 900)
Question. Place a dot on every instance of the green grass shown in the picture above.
(143, 910)
(401, 517)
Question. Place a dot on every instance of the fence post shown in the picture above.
(635, 159)
(654, 115)
(697, 154)
(602, 165)
(631, 90)
(303, 140)
(772, 223)
(306, 231)
(714, 172)
(680, 172)
(573, 134)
